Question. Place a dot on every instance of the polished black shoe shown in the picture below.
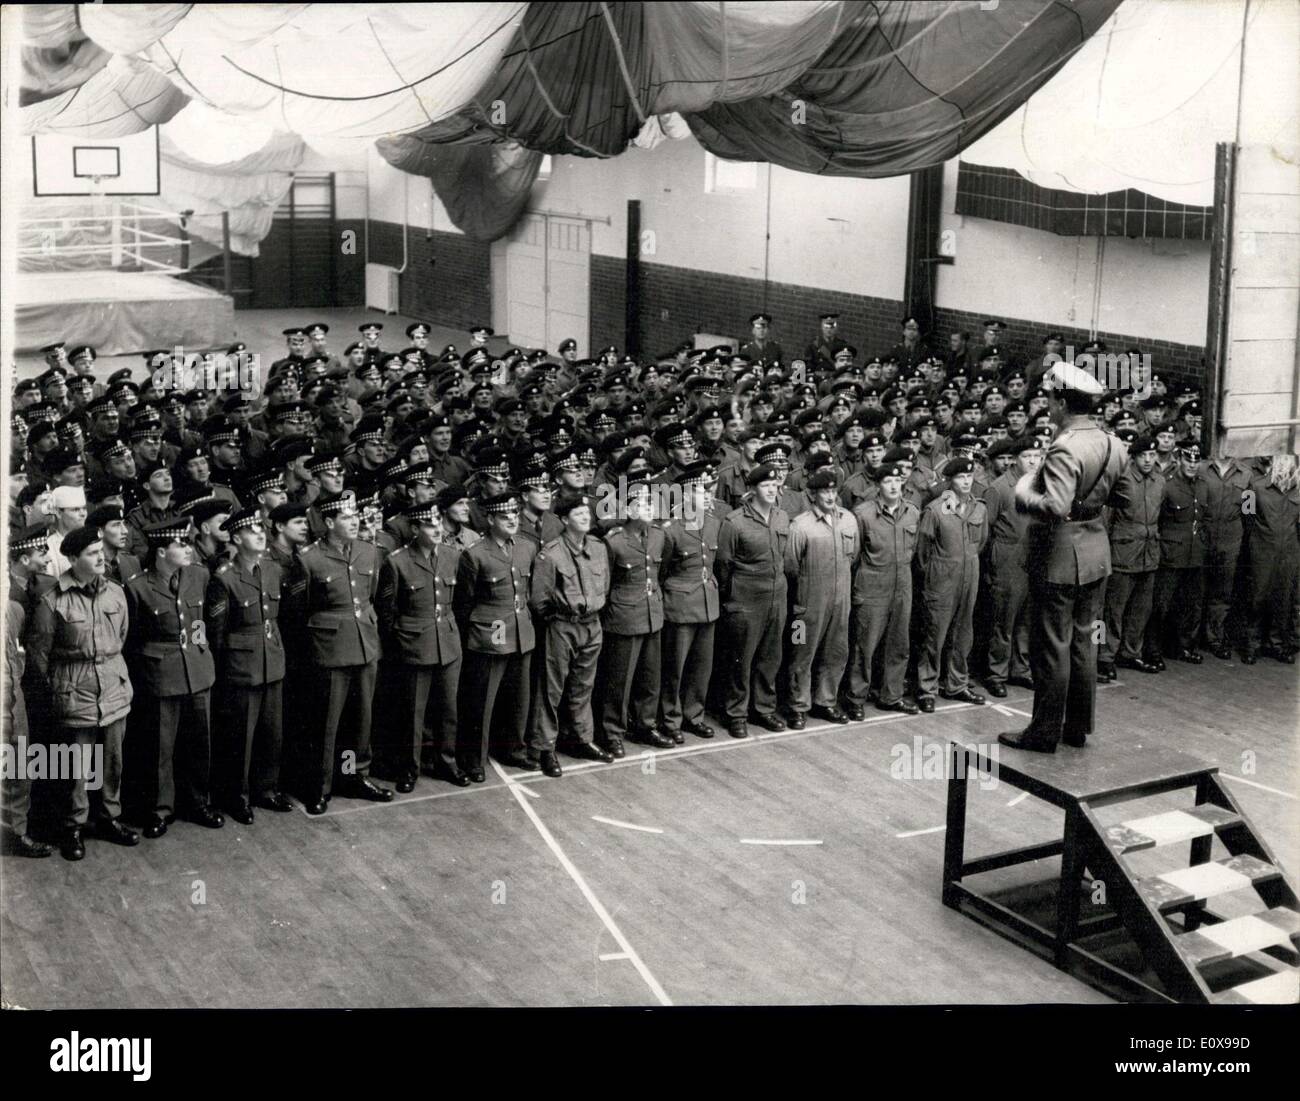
(925, 704)
(550, 766)
(1249, 659)
(1156, 661)
(700, 730)
(650, 737)
(521, 760)
(1077, 741)
(678, 737)
(964, 696)
(276, 801)
(830, 714)
(1106, 672)
(855, 711)
(1020, 739)
(738, 728)
(797, 721)
(996, 689)
(586, 751)
(405, 783)
(71, 846)
(1140, 664)
(476, 776)
(774, 723)
(112, 831)
(1223, 653)
(19, 844)
(1189, 656)
(614, 747)
(1022, 682)
(318, 807)
(207, 817)
(905, 707)
(365, 788)
(241, 812)
(1273, 652)
(157, 826)
(451, 775)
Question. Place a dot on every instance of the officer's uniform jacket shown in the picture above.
(1135, 527)
(491, 599)
(1067, 542)
(570, 585)
(168, 641)
(75, 642)
(334, 592)
(751, 559)
(636, 603)
(123, 568)
(1182, 523)
(415, 605)
(547, 526)
(243, 622)
(687, 576)
(951, 536)
(15, 705)
(884, 568)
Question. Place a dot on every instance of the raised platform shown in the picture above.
(118, 313)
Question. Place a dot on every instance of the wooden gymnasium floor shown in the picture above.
(615, 885)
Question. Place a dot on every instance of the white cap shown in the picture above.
(1066, 376)
(69, 497)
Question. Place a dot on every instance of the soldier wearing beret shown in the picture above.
(1069, 561)
(173, 672)
(243, 611)
(692, 604)
(952, 534)
(819, 557)
(332, 590)
(493, 580)
(417, 623)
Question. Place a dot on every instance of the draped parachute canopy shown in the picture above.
(472, 95)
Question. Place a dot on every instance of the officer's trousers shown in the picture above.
(184, 749)
(751, 647)
(876, 625)
(349, 691)
(628, 673)
(1176, 609)
(687, 653)
(1220, 573)
(565, 677)
(107, 797)
(15, 793)
(1063, 620)
(1008, 624)
(494, 697)
(818, 660)
(946, 642)
(429, 706)
(250, 720)
(1271, 596)
(1128, 609)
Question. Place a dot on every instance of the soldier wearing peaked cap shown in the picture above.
(173, 672)
(243, 611)
(760, 348)
(1068, 560)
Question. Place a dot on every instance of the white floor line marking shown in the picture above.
(1019, 798)
(1003, 709)
(530, 792)
(1256, 784)
(625, 825)
(660, 994)
(917, 833)
(610, 956)
(791, 841)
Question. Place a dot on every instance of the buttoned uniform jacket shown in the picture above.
(15, 705)
(687, 577)
(1225, 499)
(416, 605)
(168, 645)
(75, 642)
(1182, 523)
(950, 538)
(1068, 543)
(143, 516)
(1135, 527)
(568, 585)
(731, 482)
(858, 489)
(751, 559)
(333, 591)
(243, 622)
(819, 556)
(767, 352)
(1007, 527)
(449, 468)
(123, 568)
(884, 567)
(548, 526)
(636, 602)
(491, 599)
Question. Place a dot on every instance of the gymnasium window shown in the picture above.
(723, 177)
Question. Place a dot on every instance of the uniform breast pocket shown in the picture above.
(849, 543)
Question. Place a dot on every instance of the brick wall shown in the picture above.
(448, 278)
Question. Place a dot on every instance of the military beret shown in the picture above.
(565, 503)
(1142, 444)
(966, 442)
(897, 454)
(282, 514)
(450, 495)
(204, 508)
(61, 459)
(826, 478)
(1001, 447)
(1028, 442)
(77, 540)
(105, 514)
(959, 465)
(888, 470)
(762, 473)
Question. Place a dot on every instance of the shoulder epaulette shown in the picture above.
(614, 530)
(225, 567)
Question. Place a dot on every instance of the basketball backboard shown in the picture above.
(64, 165)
